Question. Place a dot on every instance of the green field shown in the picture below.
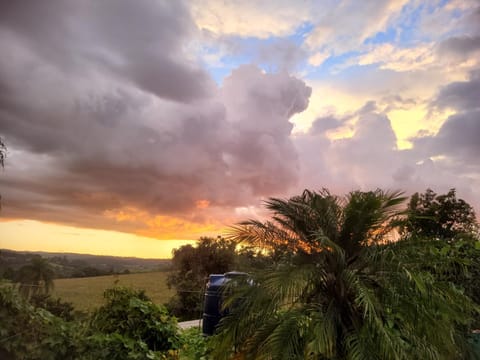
(87, 293)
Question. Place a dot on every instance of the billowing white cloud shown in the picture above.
(124, 126)
(370, 158)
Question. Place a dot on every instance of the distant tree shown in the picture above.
(90, 271)
(36, 277)
(439, 216)
(191, 267)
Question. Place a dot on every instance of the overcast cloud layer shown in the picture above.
(143, 117)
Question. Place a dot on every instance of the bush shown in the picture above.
(57, 307)
(128, 327)
(28, 333)
(132, 314)
(194, 345)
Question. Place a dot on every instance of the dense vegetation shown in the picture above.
(344, 290)
(354, 277)
(128, 326)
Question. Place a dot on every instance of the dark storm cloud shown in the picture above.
(324, 123)
(458, 138)
(86, 107)
(139, 42)
(460, 46)
(462, 96)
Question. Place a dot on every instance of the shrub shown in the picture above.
(28, 333)
(132, 314)
(194, 345)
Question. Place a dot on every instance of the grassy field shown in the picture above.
(87, 293)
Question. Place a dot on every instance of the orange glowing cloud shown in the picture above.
(202, 204)
(165, 226)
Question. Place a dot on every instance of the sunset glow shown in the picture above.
(135, 127)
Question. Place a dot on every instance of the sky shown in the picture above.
(134, 127)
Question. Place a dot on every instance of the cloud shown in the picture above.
(457, 139)
(460, 95)
(117, 124)
(370, 158)
(460, 46)
(111, 125)
(347, 25)
(146, 50)
(335, 27)
(398, 59)
(318, 58)
(281, 55)
(249, 18)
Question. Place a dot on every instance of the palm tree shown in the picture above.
(340, 291)
(36, 277)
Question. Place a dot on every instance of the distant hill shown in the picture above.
(78, 265)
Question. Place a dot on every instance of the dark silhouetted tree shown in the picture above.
(191, 267)
(439, 216)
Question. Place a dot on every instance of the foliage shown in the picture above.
(456, 261)
(191, 267)
(250, 259)
(340, 291)
(194, 345)
(130, 313)
(115, 346)
(439, 216)
(36, 277)
(443, 240)
(31, 333)
(57, 307)
(27, 332)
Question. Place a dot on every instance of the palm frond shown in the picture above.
(340, 291)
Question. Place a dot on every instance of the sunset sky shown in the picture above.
(133, 127)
